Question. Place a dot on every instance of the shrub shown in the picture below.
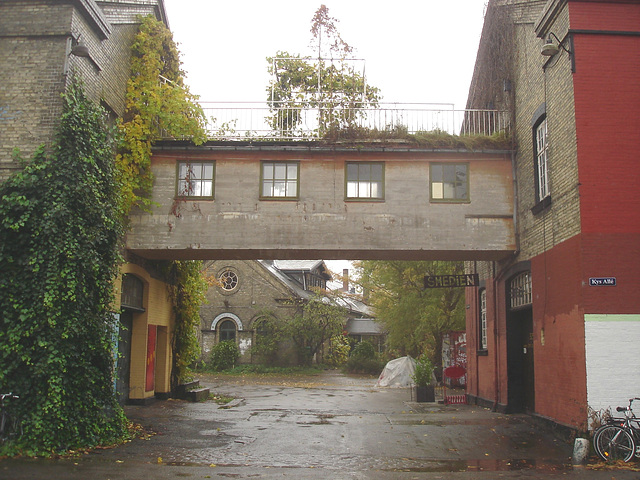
(224, 355)
(364, 359)
(364, 350)
(338, 352)
(423, 372)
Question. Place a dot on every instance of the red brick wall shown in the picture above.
(607, 99)
(558, 329)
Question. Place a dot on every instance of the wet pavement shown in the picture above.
(329, 426)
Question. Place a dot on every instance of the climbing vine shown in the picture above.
(158, 105)
(60, 232)
(188, 291)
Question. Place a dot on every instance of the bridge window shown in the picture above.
(365, 180)
(280, 180)
(449, 182)
(195, 179)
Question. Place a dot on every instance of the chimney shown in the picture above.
(345, 280)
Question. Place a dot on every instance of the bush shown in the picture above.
(364, 359)
(224, 355)
(364, 350)
(370, 366)
(338, 352)
(423, 372)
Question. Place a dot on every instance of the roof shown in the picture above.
(279, 269)
(363, 326)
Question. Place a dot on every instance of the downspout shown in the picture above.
(497, 279)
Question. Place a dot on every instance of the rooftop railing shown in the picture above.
(262, 121)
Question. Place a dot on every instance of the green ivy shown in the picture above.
(158, 105)
(60, 232)
(188, 289)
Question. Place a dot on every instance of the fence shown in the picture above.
(254, 120)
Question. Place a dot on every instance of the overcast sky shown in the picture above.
(416, 51)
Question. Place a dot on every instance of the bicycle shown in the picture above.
(619, 438)
(10, 426)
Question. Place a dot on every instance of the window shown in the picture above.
(227, 330)
(195, 179)
(449, 182)
(228, 280)
(483, 319)
(520, 294)
(542, 164)
(280, 180)
(132, 292)
(365, 180)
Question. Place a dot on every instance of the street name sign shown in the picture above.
(602, 281)
(451, 281)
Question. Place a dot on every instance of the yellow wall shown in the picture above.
(158, 311)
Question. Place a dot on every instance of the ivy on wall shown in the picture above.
(188, 292)
(158, 105)
(60, 232)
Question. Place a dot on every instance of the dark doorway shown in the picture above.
(520, 371)
(124, 356)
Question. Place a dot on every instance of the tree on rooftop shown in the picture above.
(331, 85)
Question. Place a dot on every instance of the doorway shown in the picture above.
(124, 356)
(520, 369)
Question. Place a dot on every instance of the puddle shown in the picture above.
(482, 465)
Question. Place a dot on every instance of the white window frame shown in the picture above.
(542, 160)
(483, 320)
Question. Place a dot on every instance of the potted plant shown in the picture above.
(422, 376)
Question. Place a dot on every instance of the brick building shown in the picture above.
(250, 291)
(41, 42)
(553, 330)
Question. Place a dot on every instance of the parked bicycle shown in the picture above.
(619, 438)
(10, 426)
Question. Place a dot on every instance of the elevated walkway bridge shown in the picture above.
(413, 198)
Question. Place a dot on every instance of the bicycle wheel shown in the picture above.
(613, 443)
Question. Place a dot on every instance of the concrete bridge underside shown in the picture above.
(237, 221)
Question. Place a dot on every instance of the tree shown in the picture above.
(414, 317)
(320, 320)
(331, 86)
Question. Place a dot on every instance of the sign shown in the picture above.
(602, 281)
(451, 281)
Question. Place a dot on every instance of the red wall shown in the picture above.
(560, 371)
(607, 102)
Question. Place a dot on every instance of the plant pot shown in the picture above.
(426, 394)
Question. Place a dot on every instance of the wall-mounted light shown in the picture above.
(78, 48)
(550, 48)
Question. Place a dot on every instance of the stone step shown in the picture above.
(197, 395)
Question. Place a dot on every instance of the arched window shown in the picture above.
(520, 290)
(132, 291)
(227, 330)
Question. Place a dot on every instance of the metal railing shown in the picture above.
(256, 120)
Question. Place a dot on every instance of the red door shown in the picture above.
(151, 358)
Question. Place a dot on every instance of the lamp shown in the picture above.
(78, 48)
(550, 48)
